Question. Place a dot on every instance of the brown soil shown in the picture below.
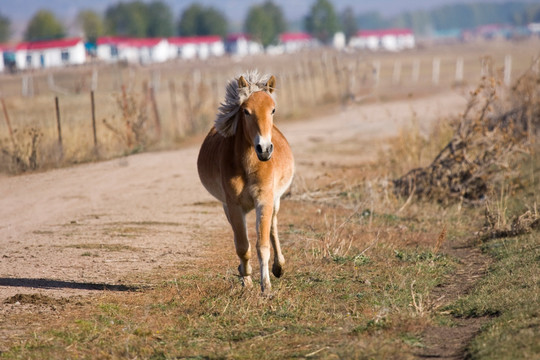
(71, 233)
(443, 342)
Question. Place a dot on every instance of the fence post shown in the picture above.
(174, 108)
(377, 71)
(507, 70)
(8, 123)
(24, 85)
(156, 112)
(94, 84)
(396, 75)
(92, 102)
(59, 126)
(459, 70)
(415, 72)
(436, 71)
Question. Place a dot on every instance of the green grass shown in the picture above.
(510, 293)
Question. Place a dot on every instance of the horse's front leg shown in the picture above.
(264, 211)
(279, 260)
(237, 219)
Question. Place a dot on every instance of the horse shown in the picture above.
(246, 163)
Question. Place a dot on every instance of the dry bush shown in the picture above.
(496, 225)
(488, 138)
(135, 134)
(21, 153)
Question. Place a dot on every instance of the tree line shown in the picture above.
(456, 16)
(264, 22)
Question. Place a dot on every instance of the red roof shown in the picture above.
(300, 36)
(183, 40)
(48, 44)
(135, 42)
(383, 32)
(238, 36)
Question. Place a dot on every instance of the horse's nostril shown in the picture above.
(259, 149)
(271, 148)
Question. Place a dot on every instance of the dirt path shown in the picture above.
(71, 231)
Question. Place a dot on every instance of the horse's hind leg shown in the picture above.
(237, 219)
(279, 260)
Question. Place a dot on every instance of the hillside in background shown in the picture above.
(457, 16)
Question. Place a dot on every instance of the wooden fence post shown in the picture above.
(174, 109)
(396, 75)
(8, 122)
(377, 72)
(436, 72)
(94, 84)
(507, 70)
(415, 71)
(156, 112)
(459, 70)
(92, 102)
(59, 127)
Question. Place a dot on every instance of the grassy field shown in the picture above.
(368, 275)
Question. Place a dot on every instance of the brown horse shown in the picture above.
(246, 163)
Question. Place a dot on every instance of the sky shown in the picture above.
(20, 11)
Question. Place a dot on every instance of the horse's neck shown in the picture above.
(242, 148)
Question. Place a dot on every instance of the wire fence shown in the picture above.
(101, 111)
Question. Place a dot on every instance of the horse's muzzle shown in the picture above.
(264, 153)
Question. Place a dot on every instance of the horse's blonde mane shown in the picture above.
(227, 116)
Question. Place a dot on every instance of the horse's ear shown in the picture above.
(271, 84)
(242, 83)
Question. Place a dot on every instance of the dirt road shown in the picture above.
(76, 230)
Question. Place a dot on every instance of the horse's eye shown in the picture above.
(246, 112)
(273, 111)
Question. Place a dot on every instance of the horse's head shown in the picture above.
(258, 116)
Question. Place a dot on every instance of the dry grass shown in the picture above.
(362, 267)
(488, 138)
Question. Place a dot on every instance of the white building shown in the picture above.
(132, 50)
(193, 47)
(1, 58)
(242, 45)
(534, 28)
(49, 53)
(293, 42)
(386, 39)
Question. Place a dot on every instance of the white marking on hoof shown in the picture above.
(246, 282)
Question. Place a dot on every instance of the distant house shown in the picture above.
(132, 50)
(193, 47)
(1, 58)
(386, 39)
(49, 53)
(242, 45)
(293, 42)
(534, 28)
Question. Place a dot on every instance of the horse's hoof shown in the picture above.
(277, 270)
(246, 282)
(268, 294)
